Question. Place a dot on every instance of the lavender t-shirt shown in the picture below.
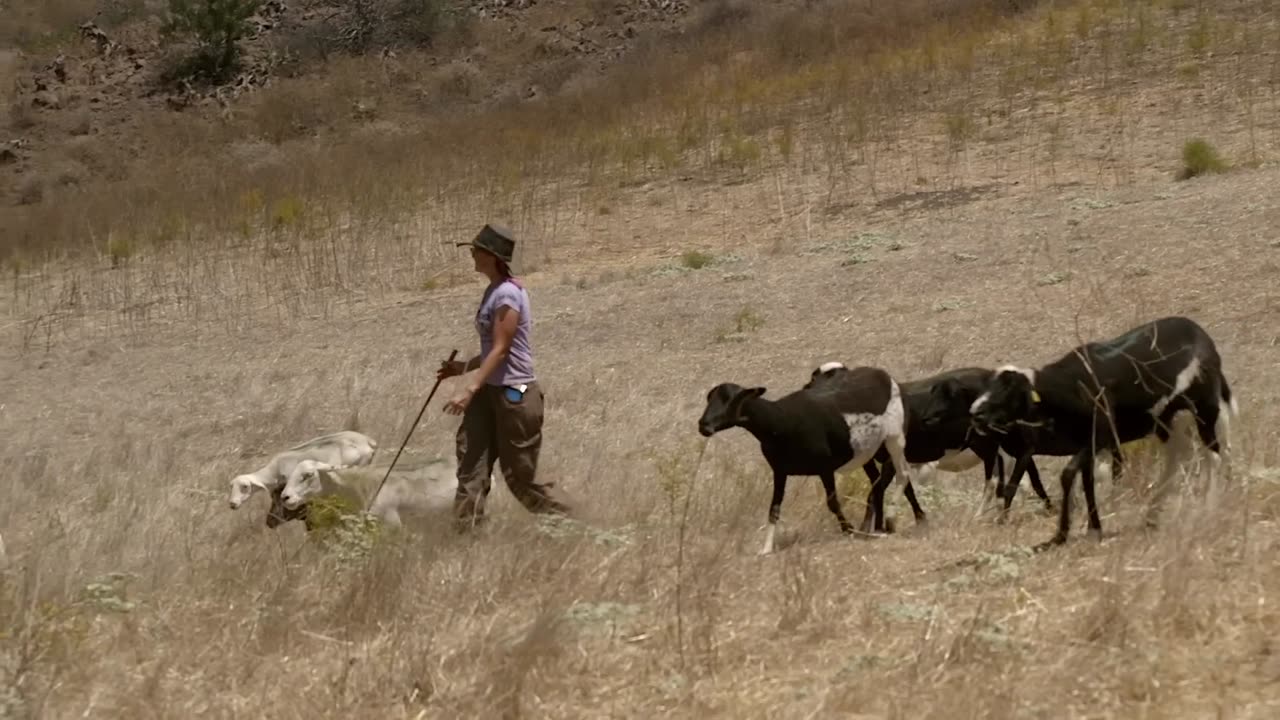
(518, 367)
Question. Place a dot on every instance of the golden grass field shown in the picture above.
(1003, 217)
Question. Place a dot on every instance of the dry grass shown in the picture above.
(218, 327)
(120, 450)
(885, 97)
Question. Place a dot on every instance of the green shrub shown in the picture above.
(1200, 158)
(217, 26)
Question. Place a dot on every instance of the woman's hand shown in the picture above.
(459, 403)
(450, 368)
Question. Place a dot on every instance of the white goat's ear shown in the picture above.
(257, 483)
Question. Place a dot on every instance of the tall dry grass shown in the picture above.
(132, 594)
(131, 590)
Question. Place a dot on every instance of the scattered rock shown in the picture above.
(47, 99)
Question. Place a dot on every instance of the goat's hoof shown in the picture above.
(1096, 534)
(1054, 542)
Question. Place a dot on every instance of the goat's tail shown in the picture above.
(1227, 398)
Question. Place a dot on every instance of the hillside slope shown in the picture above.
(89, 93)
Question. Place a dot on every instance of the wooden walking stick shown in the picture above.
(412, 427)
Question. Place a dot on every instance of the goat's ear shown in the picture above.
(754, 392)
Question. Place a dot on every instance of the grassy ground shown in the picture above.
(129, 396)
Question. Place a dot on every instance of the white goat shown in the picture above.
(413, 489)
(346, 448)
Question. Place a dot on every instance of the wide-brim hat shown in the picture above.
(495, 239)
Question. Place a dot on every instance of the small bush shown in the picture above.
(119, 249)
(696, 259)
(286, 212)
(217, 26)
(1200, 158)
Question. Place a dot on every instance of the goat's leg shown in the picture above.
(910, 494)
(1211, 423)
(998, 462)
(1086, 478)
(1033, 474)
(873, 477)
(1067, 479)
(1020, 466)
(1015, 478)
(992, 465)
(896, 445)
(833, 501)
(1176, 442)
(874, 520)
(775, 509)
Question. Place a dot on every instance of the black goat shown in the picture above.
(815, 431)
(1103, 394)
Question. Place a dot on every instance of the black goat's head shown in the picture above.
(724, 409)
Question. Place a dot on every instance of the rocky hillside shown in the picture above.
(89, 90)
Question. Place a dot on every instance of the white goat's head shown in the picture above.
(303, 482)
(243, 486)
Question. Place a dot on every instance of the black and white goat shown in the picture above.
(940, 431)
(939, 436)
(1103, 394)
(815, 431)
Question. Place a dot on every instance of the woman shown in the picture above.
(500, 400)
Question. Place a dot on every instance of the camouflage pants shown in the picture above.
(494, 428)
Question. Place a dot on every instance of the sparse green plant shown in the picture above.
(696, 259)
(108, 593)
(217, 27)
(785, 141)
(119, 248)
(746, 321)
(1200, 35)
(343, 526)
(286, 212)
(675, 472)
(1200, 158)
